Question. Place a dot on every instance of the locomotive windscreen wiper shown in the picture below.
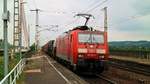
(94, 39)
(89, 39)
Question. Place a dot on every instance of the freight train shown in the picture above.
(82, 48)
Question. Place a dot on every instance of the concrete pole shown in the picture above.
(106, 29)
(5, 19)
(36, 29)
(28, 37)
(105, 19)
(37, 25)
(20, 29)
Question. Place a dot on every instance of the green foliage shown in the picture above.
(1, 68)
(134, 46)
(32, 47)
(12, 63)
(2, 44)
(21, 79)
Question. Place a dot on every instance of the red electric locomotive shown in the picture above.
(83, 48)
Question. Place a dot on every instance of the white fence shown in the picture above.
(13, 75)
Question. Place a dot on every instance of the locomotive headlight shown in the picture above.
(101, 56)
(101, 51)
(82, 50)
(80, 56)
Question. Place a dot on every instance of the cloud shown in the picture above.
(142, 6)
(120, 17)
(115, 35)
(127, 19)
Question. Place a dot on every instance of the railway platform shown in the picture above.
(41, 69)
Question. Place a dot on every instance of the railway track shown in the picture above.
(106, 79)
(97, 79)
(132, 67)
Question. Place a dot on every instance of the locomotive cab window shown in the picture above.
(91, 38)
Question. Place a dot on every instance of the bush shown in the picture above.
(12, 63)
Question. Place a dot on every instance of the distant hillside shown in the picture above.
(130, 44)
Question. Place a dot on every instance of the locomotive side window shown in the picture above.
(91, 38)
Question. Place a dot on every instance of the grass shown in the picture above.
(1, 67)
(12, 64)
(21, 79)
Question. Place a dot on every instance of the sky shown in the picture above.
(127, 19)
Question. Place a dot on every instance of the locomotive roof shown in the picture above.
(82, 28)
(79, 28)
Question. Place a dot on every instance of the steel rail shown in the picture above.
(131, 68)
(106, 79)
